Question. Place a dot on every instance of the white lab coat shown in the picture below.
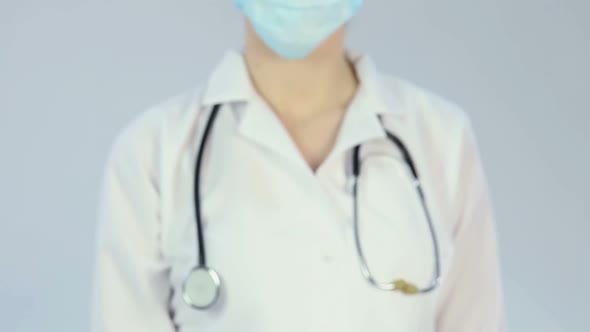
(280, 235)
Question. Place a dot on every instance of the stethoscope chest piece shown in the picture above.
(201, 287)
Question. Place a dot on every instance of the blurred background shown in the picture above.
(72, 73)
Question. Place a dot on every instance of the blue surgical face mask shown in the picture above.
(295, 28)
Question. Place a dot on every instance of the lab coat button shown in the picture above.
(327, 257)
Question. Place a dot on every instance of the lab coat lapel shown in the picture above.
(371, 101)
(360, 124)
(261, 125)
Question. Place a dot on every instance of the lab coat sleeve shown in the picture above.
(131, 289)
(471, 296)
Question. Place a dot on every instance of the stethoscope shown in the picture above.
(202, 285)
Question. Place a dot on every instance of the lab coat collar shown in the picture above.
(380, 98)
(230, 82)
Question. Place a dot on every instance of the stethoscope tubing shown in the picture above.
(197, 193)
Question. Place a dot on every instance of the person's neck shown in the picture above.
(301, 89)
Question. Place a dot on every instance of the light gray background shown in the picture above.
(72, 73)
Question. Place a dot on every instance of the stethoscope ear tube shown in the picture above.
(400, 285)
(197, 186)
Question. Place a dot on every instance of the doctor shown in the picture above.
(297, 189)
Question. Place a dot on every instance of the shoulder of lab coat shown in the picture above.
(470, 294)
(131, 290)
